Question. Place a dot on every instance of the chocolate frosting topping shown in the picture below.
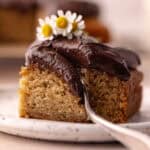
(132, 59)
(66, 57)
(89, 54)
(52, 60)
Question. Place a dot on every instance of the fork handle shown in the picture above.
(130, 138)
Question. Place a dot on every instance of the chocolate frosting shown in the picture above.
(132, 59)
(89, 54)
(53, 61)
(66, 57)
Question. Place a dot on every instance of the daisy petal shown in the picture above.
(53, 17)
(69, 28)
(51, 37)
(60, 13)
(47, 19)
(81, 25)
(55, 32)
(79, 18)
(68, 14)
(38, 29)
(41, 21)
(78, 33)
(74, 16)
(43, 39)
(64, 33)
(39, 37)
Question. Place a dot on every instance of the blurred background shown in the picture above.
(119, 23)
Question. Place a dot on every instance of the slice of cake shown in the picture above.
(18, 20)
(50, 84)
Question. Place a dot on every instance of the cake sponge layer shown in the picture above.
(112, 98)
(44, 95)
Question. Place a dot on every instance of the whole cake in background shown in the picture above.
(18, 20)
(62, 55)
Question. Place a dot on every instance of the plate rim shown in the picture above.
(8, 125)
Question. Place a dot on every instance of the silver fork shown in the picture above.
(131, 139)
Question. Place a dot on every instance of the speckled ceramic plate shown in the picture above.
(61, 131)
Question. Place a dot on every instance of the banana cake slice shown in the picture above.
(62, 55)
(50, 86)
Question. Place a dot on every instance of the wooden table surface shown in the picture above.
(9, 69)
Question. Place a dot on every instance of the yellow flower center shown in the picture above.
(62, 22)
(74, 26)
(47, 30)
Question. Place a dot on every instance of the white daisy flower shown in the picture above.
(65, 24)
(78, 24)
(45, 29)
(62, 23)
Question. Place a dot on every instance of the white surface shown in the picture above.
(61, 131)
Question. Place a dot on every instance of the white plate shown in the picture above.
(61, 131)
